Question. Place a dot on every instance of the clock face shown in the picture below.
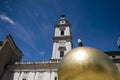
(62, 22)
(118, 42)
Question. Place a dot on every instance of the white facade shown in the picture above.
(44, 70)
(62, 39)
(66, 30)
(35, 75)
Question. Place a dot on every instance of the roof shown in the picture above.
(113, 53)
(12, 44)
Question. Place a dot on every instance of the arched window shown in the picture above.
(61, 53)
(55, 78)
(25, 75)
(62, 32)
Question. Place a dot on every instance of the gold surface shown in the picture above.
(85, 63)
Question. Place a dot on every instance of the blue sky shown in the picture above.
(31, 24)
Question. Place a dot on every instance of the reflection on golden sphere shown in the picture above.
(85, 63)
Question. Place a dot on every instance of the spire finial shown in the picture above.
(62, 16)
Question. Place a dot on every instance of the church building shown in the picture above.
(12, 68)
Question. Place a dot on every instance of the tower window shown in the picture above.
(61, 53)
(113, 56)
(3, 53)
(55, 78)
(62, 32)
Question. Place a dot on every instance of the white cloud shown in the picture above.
(7, 19)
(41, 53)
(36, 14)
(23, 34)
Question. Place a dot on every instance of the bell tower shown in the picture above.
(62, 40)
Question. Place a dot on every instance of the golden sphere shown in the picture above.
(86, 63)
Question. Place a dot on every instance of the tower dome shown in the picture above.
(86, 63)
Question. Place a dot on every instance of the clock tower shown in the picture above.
(62, 40)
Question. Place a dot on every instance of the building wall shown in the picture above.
(115, 56)
(35, 75)
(58, 31)
(118, 66)
(9, 54)
(56, 52)
(44, 70)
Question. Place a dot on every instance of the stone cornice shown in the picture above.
(58, 38)
(43, 66)
(62, 25)
(115, 60)
(113, 53)
(62, 48)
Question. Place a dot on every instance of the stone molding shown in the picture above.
(58, 38)
(61, 48)
(29, 67)
(62, 25)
